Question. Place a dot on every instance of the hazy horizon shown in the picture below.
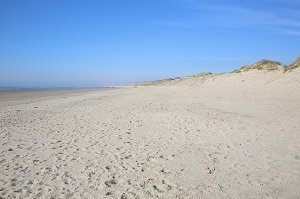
(99, 43)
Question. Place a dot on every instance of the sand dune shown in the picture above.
(261, 73)
(229, 135)
(294, 65)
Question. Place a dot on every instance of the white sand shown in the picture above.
(228, 136)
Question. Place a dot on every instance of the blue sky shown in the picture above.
(95, 43)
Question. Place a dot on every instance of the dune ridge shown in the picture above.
(264, 69)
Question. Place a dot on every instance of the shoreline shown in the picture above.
(36, 93)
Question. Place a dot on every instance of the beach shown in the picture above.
(21, 95)
(226, 136)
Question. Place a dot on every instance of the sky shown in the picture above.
(83, 43)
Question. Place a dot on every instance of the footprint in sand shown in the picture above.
(111, 182)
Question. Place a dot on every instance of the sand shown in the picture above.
(223, 136)
(21, 95)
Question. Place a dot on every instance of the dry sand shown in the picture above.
(222, 136)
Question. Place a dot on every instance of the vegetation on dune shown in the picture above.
(263, 64)
(202, 74)
(294, 65)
